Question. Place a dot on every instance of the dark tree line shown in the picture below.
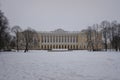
(110, 32)
(4, 32)
(8, 41)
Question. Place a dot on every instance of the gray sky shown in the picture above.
(47, 15)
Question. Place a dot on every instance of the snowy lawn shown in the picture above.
(70, 65)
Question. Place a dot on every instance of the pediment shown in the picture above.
(59, 31)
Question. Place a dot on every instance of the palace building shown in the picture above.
(60, 39)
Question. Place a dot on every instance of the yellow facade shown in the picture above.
(60, 39)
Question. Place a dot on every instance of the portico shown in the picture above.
(59, 39)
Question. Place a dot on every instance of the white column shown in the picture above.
(49, 39)
(61, 39)
(55, 39)
(66, 39)
(72, 38)
(58, 39)
(46, 39)
(43, 38)
(52, 39)
(75, 39)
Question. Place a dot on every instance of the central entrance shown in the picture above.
(60, 47)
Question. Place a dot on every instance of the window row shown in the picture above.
(53, 39)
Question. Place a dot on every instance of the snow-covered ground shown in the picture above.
(69, 65)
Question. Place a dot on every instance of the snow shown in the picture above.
(68, 65)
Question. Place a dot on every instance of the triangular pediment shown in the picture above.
(58, 31)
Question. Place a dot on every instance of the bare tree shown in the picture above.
(111, 32)
(116, 36)
(110, 36)
(95, 36)
(104, 26)
(89, 38)
(28, 35)
(16, 30)
(119, 36)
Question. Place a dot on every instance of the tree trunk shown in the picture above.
(26, 48)
(17, 43)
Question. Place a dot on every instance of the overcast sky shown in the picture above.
(48, 15)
